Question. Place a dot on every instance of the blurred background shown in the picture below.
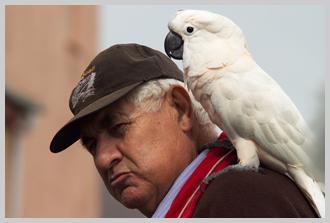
(48, 47)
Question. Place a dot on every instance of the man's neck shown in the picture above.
(206, 134)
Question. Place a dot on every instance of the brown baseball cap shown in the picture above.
(112, 74)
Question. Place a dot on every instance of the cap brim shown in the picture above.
(70, 132)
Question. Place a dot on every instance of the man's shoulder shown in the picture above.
(244, 180)
(253, 194)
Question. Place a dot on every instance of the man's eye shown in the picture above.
(119, 130)
(89, 144)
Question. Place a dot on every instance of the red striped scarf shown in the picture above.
(184, 204)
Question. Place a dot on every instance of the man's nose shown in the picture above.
(107, 151)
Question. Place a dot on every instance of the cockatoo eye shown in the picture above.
(190, 29)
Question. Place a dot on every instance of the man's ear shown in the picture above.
(180, 100)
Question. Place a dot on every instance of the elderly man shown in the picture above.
(156, 149)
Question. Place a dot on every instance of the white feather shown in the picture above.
(244, 101)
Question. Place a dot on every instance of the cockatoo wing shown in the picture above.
(254, 107)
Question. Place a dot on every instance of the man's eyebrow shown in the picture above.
(100, 122)
(107, 119)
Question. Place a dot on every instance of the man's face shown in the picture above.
(138, 154)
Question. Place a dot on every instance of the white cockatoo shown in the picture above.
(243, 100)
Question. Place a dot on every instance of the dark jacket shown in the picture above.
(251, 194)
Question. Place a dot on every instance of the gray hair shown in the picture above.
(150, 96)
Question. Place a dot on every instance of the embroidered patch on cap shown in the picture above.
(84, 89)
(87, 72)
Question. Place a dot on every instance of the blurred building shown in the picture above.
(47, 47)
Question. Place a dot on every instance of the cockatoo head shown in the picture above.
(203, 39)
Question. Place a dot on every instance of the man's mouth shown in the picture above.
(118, 178)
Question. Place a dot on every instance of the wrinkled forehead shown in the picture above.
(119, 110)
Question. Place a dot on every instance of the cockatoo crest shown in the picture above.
(216, 35)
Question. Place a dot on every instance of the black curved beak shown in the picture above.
(173, 45)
